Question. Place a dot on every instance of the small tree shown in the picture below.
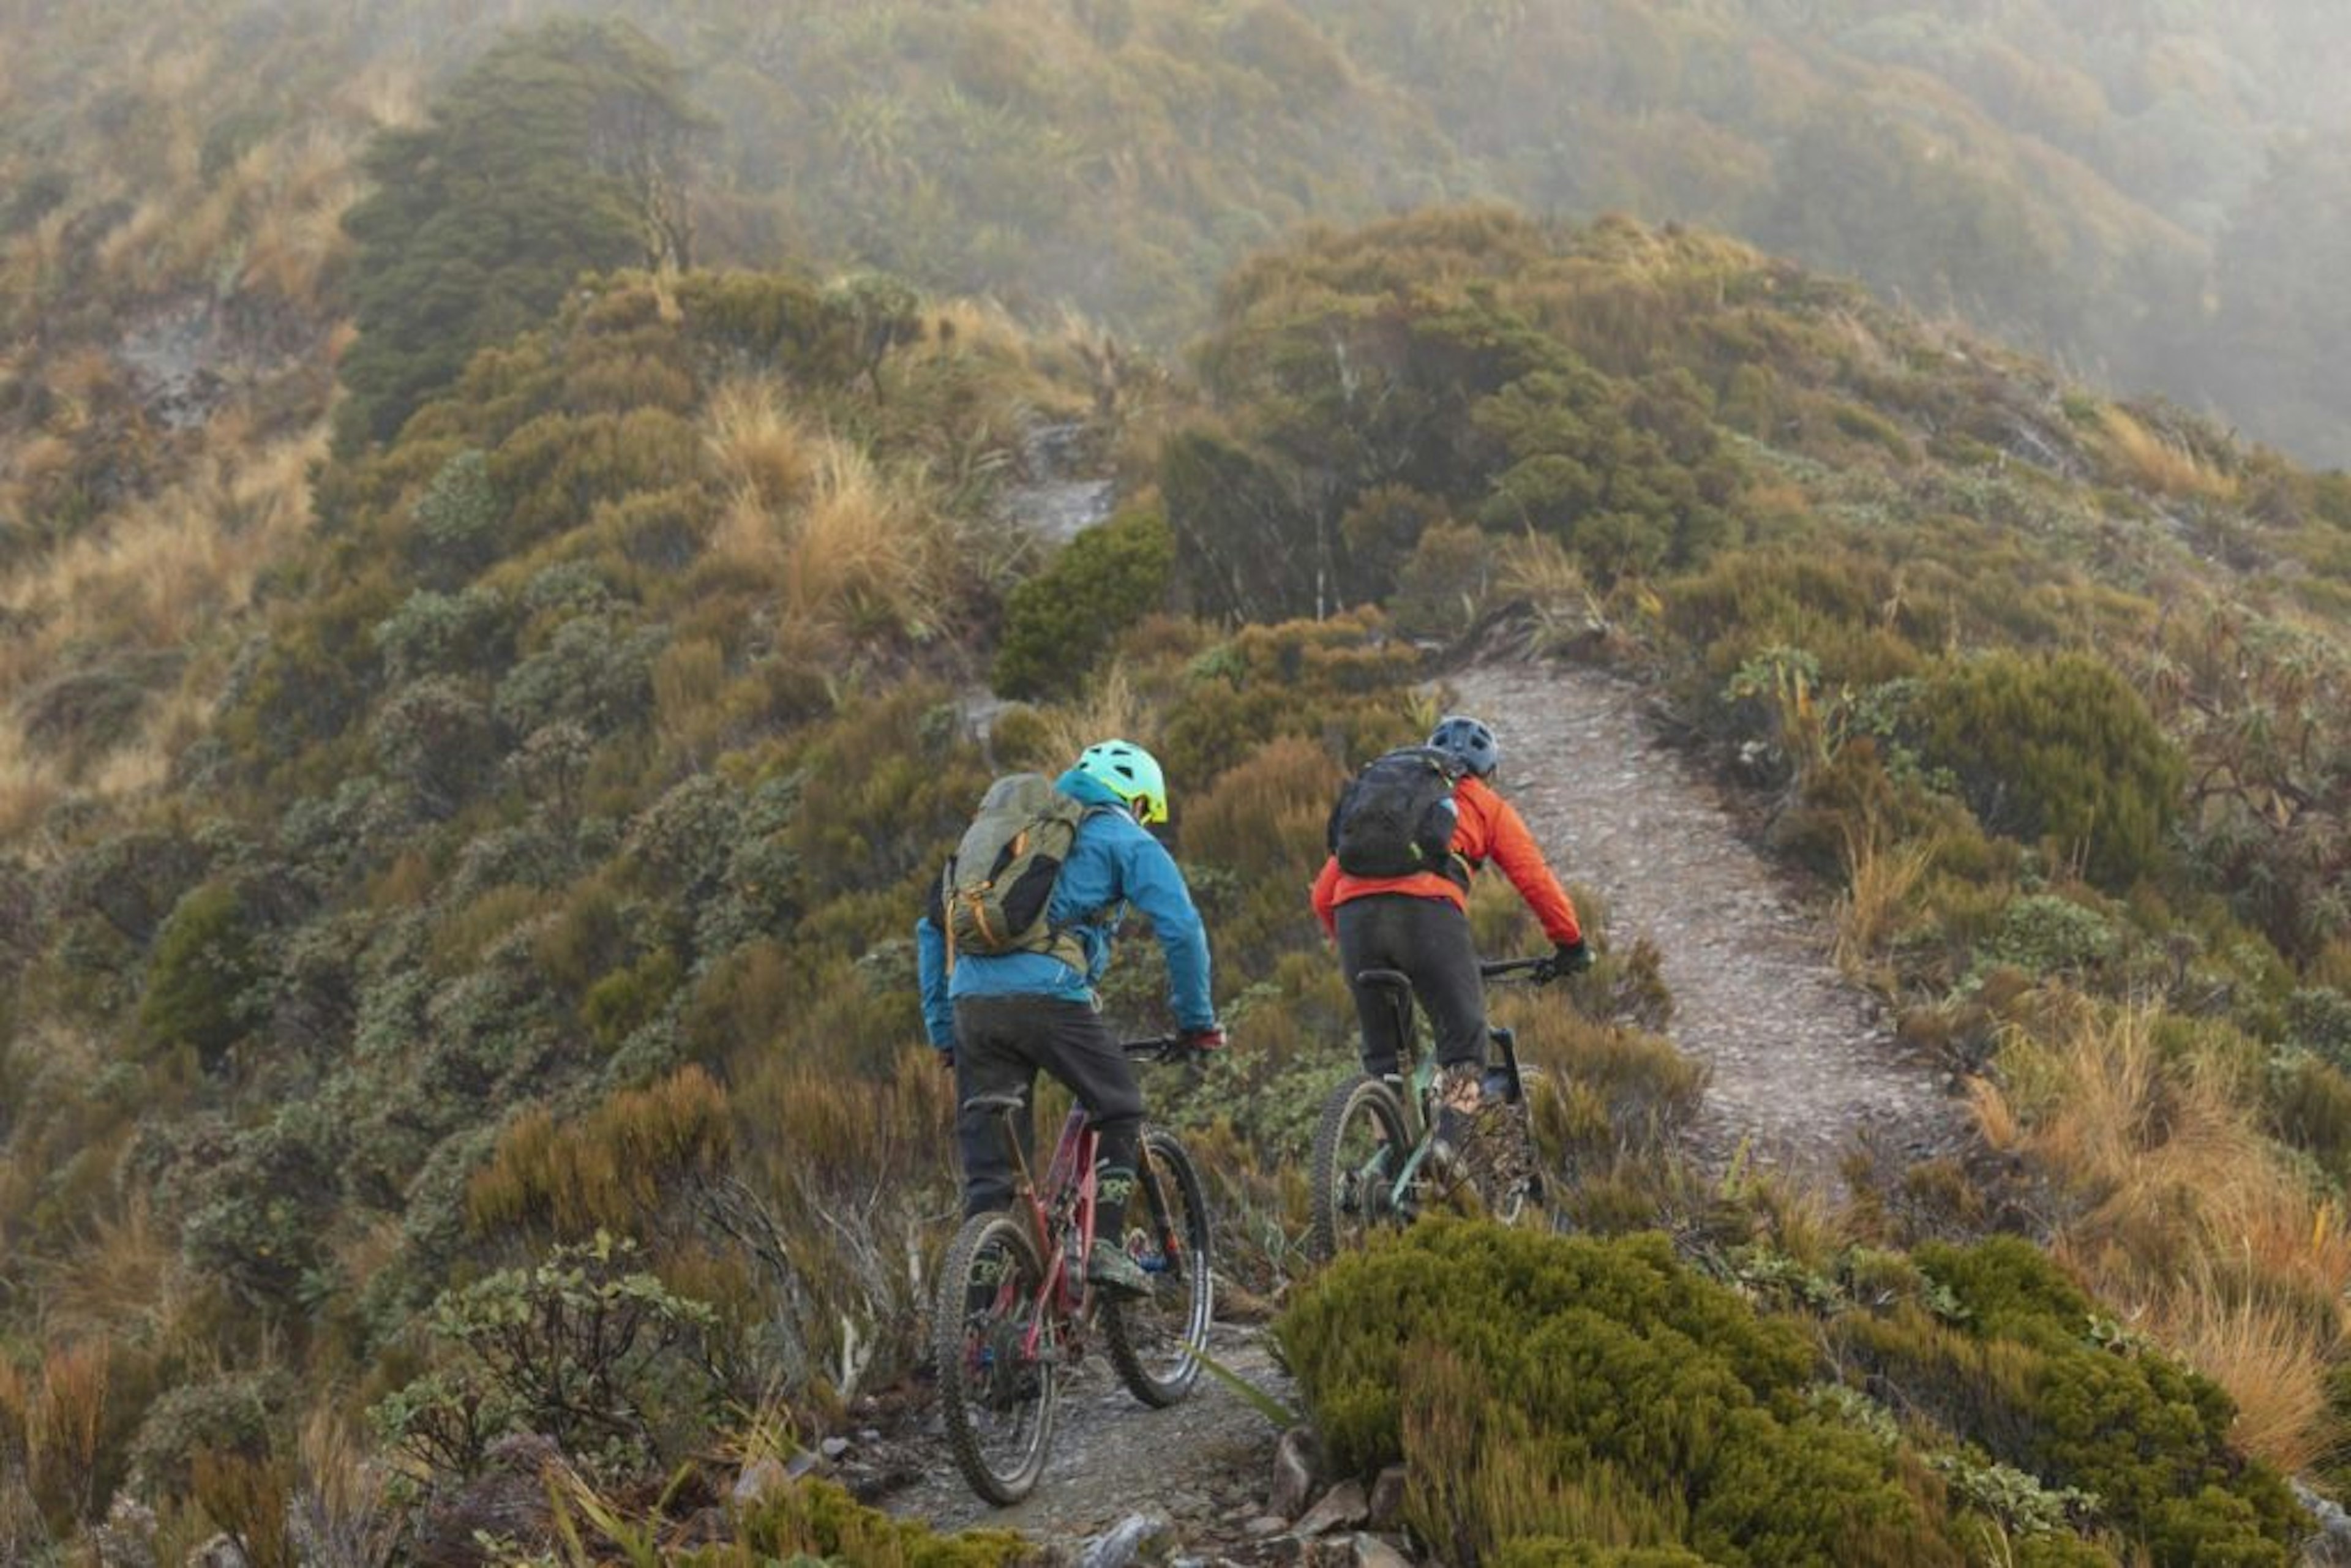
(564, 150)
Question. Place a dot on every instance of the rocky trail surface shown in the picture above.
(1799, 1070)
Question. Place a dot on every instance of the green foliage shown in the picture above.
(1060, 623)
(2026, 1380)
(2056, 748)
(206, 957)
(457, 518)
(584, 1348)
(816, 1519)
(561, 150)
(227, 1415)
(1647, 1406)
(2046, 934)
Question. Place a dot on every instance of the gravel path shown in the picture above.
(1203, 1465)
(1800, 1069)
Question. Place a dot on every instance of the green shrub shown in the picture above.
(236, 1413)
(2058, 747)
(1061, 620)
(584, 1348)
(205, 959)
(1588, 1389)
(2044, 934)
(2022, 1376)
(816, 1519)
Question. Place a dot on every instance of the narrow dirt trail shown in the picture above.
(1799, 1072)
(1801, 1068)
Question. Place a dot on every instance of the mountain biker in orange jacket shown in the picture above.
(1419, 926)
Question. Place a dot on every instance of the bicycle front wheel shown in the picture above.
(997, 1381)
(1156, 1342)
(1360, 1150)
(1517, 1190)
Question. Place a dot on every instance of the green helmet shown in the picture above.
(1130, 774)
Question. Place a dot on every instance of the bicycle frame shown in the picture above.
(1016, 1306)
(1419, 1072)
(1061, 1216)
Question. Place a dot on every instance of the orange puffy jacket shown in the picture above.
(1487, 828)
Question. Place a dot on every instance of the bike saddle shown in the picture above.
(1396, 979)
(994, 1103)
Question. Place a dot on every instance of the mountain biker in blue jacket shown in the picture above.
(998, 1017)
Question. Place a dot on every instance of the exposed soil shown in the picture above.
(1801, 1069)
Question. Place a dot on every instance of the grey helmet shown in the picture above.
(1469, 741)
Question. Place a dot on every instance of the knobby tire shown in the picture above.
(998, 1411)
(1155, 1344)
(1359, 1147)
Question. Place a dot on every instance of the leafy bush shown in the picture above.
(2044, 934)
(2058, 747)
(561, 150)
(1585, 1389)
(205, 959)
(2024, 1378)
(1059, 623)
(584, 1348)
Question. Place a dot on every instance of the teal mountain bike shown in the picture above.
(1376, 1163)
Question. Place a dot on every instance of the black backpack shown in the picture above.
(1396, 818)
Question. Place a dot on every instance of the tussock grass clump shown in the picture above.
(611, 1169)
(2181, 1212)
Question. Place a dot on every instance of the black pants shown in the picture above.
(1000, 1043)
(1428, 940)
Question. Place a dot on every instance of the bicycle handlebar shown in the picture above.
(1503, 968)
(1159, 1048)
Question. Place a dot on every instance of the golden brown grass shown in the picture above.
(839, 541)
(2178, 1208)
(1880, 881)
(2155, 461)
(862, 546)
(1109, 707)
(295, 193)
(609, 1170)
(766, 454)
(30, 784)
(57, 1419)
(119, 1283)
(161, 575)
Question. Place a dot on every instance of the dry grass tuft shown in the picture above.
(1111, 709)
(863, 549)
(2179, 1208)
(119, 1283)
(759, 446)
(2155, 461)
(1879, 882)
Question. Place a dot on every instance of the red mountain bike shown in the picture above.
(1014, 1306)
(1373, 1165)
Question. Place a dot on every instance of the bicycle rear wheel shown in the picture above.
(1359, 1149)
(1156, 1342)
(996, 1397)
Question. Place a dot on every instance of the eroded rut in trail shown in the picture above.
(1801, 1069)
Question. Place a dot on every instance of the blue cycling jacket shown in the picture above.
(1113, 860)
